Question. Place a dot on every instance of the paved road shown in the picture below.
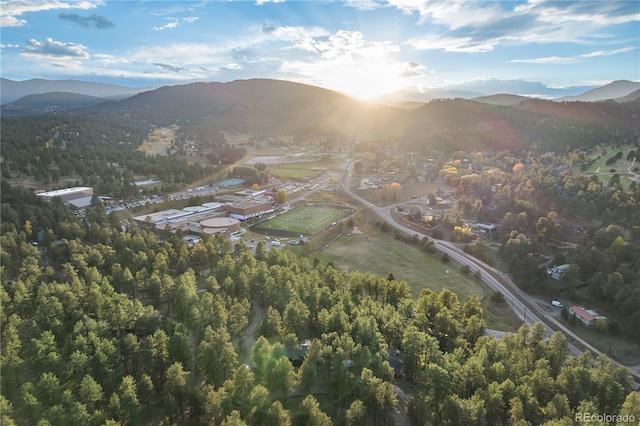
(522, 304)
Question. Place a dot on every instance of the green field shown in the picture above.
(381, 254)
(293, 173)
(601, 169)
(302, 170)
(307, 220)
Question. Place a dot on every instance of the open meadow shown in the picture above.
(381, 254)
(158, 141)
(626, 169)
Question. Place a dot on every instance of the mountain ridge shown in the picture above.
(614, 90)
(481, 89)
(13, 90)
(266, 108)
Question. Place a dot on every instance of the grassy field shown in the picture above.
(301, 170)
(305, 220)
(294, 173)
(159, 141)
(601, 169)
(381, 254)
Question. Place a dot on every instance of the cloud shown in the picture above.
(261, 2)
(365, 4)
(608, 52)
(170, 67)
(598, 13)
(413, 69)
(94, 20)
(12, 10)
(176, 22)
(109, 59)
(573, 59)
(288, 33)
(48, 48)
(467, 44)
(232, 67)
(480, 26)
(166, 26)
(549, 60)
(347, 61)
(351, 44)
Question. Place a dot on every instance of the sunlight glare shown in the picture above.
(368, 79)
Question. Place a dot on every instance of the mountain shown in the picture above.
(12, 90)
(427, 95)
(630, 97)
(276, 108)
(50, 102)
(479, 88)
(273, 108)
(501, 99)
(259, 106)
(533, 89)
(613, 90)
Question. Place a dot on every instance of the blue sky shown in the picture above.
(360, 47)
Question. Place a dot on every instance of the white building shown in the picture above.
(67, 194)
(557, 272)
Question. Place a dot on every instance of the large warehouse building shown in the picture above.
(248, 208)
(67, 194)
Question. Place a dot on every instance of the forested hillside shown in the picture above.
(101, 325)
(97, 152)
(98, 146)
(261, 107)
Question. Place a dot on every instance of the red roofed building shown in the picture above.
(587, 317)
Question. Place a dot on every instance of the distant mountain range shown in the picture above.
(273, 108)
(615, 90)
(55, 95)
(11, 90)
(513, 91)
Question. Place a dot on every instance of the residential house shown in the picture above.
(587, 317)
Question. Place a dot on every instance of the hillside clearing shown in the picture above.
(381, 254)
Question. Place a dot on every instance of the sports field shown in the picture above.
(294, 173)
(381, 254)
(306, 220)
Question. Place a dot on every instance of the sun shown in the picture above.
(367, 79)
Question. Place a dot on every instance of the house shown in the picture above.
(485, 228)
(557, 272)
(441, 203)
(587, 317)
(395, 361)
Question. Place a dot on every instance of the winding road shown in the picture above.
(521, 304)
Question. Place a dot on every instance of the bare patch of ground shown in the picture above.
(159, 141)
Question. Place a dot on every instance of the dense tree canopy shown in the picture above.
(99, 338)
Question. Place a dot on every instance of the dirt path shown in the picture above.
(249, 333)
(400, 416)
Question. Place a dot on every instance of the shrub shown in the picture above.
(498, 298)
(465, 269)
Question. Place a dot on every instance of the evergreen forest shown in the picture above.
(128, 327)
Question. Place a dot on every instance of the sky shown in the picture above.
(360, 47)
